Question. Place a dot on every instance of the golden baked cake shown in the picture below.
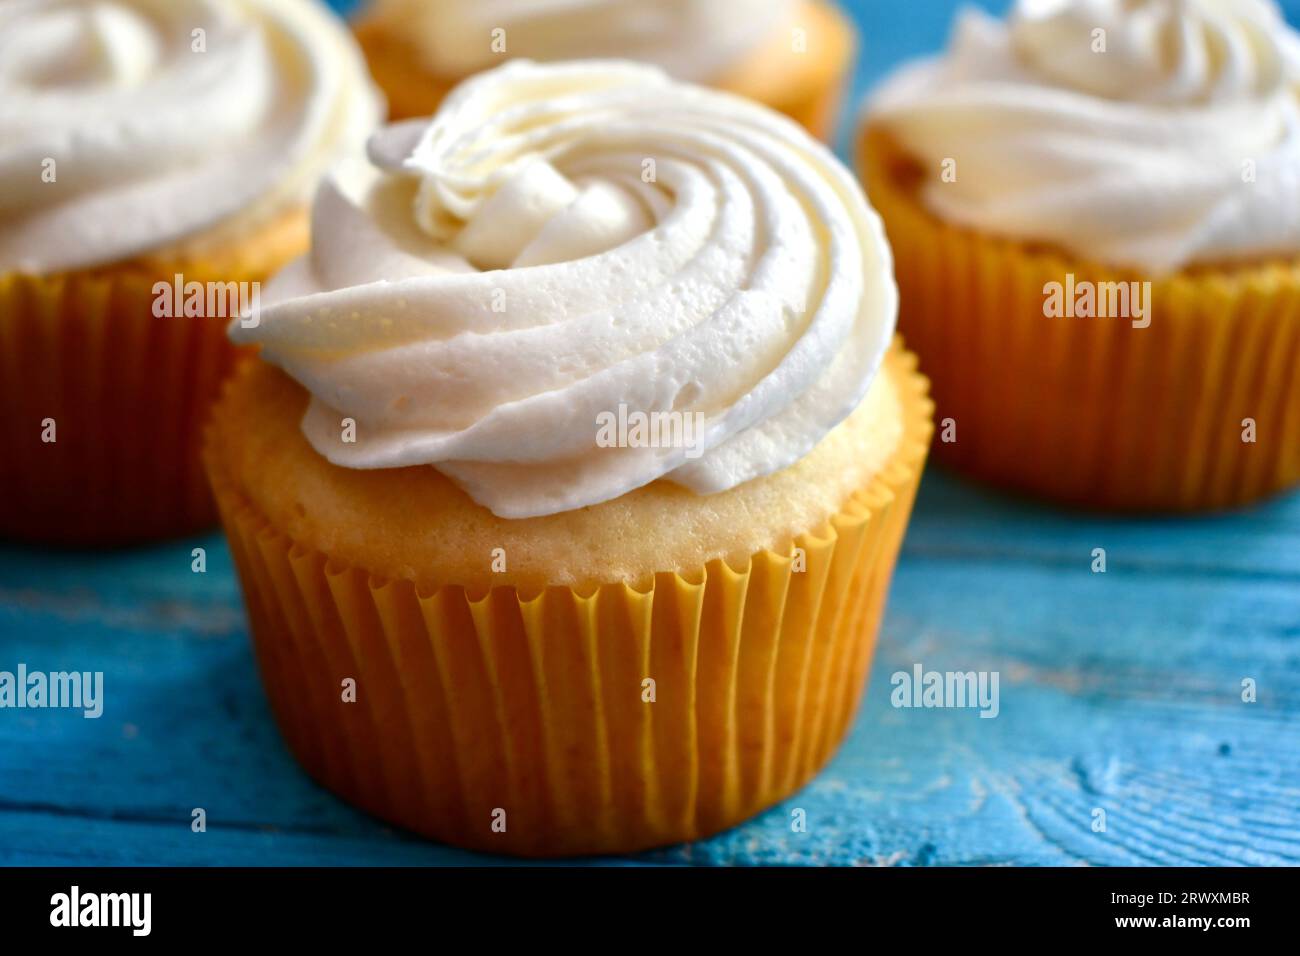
(792, 55)
(566, 491)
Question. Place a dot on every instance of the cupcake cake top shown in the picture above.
(132, 126)
(691, 39)
(575, 247)
(1146, 133)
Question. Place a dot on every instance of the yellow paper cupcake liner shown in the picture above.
(1093, 411)
(527, 710)
(127, 394)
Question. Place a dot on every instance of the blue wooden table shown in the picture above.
(1120, 691)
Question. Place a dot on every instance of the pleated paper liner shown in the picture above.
(1093, 411)
(526, 710)
(806, 86)
(127, 393)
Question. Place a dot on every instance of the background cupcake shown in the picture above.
(596, 640)
(1092, 207)
(155, 164)
(792, 55)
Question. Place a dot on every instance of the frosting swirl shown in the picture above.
(562, 241)
(691, 39)
(130, 126)
(1145, 133)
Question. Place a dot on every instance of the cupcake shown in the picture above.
(156, 163)
(792, 55)
(566, 491)
(1094, 213)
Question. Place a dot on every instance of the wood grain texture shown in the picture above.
(1119, 691)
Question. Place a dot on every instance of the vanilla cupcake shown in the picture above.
(1095, 213)
(791, 55)
(156, 162)
(567, 491)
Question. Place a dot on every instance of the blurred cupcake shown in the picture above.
(641, 331)
(156, 161)
(791, 55)
(1093, 209)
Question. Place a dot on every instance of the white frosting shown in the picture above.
(1141, 155)
(153, 133)
(691, 39)
(748, 282)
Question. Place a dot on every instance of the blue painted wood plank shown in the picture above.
(973, 522)
(1118, 690)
